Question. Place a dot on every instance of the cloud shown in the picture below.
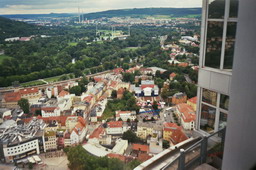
(71, 6)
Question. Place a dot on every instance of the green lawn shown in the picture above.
(2, 57)
(72, 44)
(53, 79)
(130, 48)
(32, 83)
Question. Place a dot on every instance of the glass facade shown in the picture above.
(221, 28)
(224, 101)
(209, 97)
(213, 44)
(230, 45)
(223, 120)
(208, 115)
(216, 9)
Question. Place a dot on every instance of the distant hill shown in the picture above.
(35, 16)
(11, 28)
(173, 12)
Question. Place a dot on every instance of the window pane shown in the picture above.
(216, 9)
(233, 8)
(207, 118)
(223, 120)
(230, 45)
(224, 101)
(213, 44)
(209, 97)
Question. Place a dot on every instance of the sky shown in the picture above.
(86, 6)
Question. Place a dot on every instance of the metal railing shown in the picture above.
(197, 154)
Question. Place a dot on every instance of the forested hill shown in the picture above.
(11, 28)
(174, 12)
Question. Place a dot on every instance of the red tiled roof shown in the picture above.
(188, 114)
(12, 97)
(113, 84)
(173, 75)
(118, 70)
(97, 79)
(121, 112)
(177, 135)
(120, 90)
(29, 91)
(116, 124)
(193, 100)
(97, 132)
(48, 109)
(79, 126)
(143, 157)
(120, 157)
(88, 99)
(143, 86)
(63, 93)
(139, 147)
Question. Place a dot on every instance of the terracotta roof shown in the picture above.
(142, 157)
(12, 97)
(193, 100)
(79, 127)
(177, 135)
(116, 124)
(113, 84)
(97, 79)
(63, 93)
(120, 90)
(173, 75)
(97, 132)
(183, 64)
(48, 109)
(120, 157)
(118, 70)
(188, 114)
(59, 119)
(143, 86)
(88, 99)
(29, 91)
(139, 147)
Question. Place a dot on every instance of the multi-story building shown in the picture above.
(17, 141)
(50, 140)
(186, 115)
(218, 37)
(173, 133)
(116, 128)
(179, 98)
(146, 129)
(50, 111)
(125, 115)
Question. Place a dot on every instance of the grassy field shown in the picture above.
(32, 83)
(52, 79)
(2, 57)
(72, 44)
(130, 48)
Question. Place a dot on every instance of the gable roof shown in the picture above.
(193, 100)
(188, 114)
(116, 124)
(12, 97)
(63, 93)
(29, 90)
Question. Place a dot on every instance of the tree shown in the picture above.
(166, 144)
(130, 136)
(38, 112)
(24, 105)
(155, 105)
(114, 94)
(75, 90)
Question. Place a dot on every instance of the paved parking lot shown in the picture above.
(53, 163)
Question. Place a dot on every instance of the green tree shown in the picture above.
(24, 105)
(38, 112)
(75, 90)
(114, 94)
(155, 105)
(130, 136)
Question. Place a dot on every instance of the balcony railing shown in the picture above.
(203, 151)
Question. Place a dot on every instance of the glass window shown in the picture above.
(209, 97)
(213, 44)
(233, 8)
(216, 9)
(230, 45)
(224, 101)
(207, 118)
(223, 120)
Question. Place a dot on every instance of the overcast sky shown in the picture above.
(86, 6)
